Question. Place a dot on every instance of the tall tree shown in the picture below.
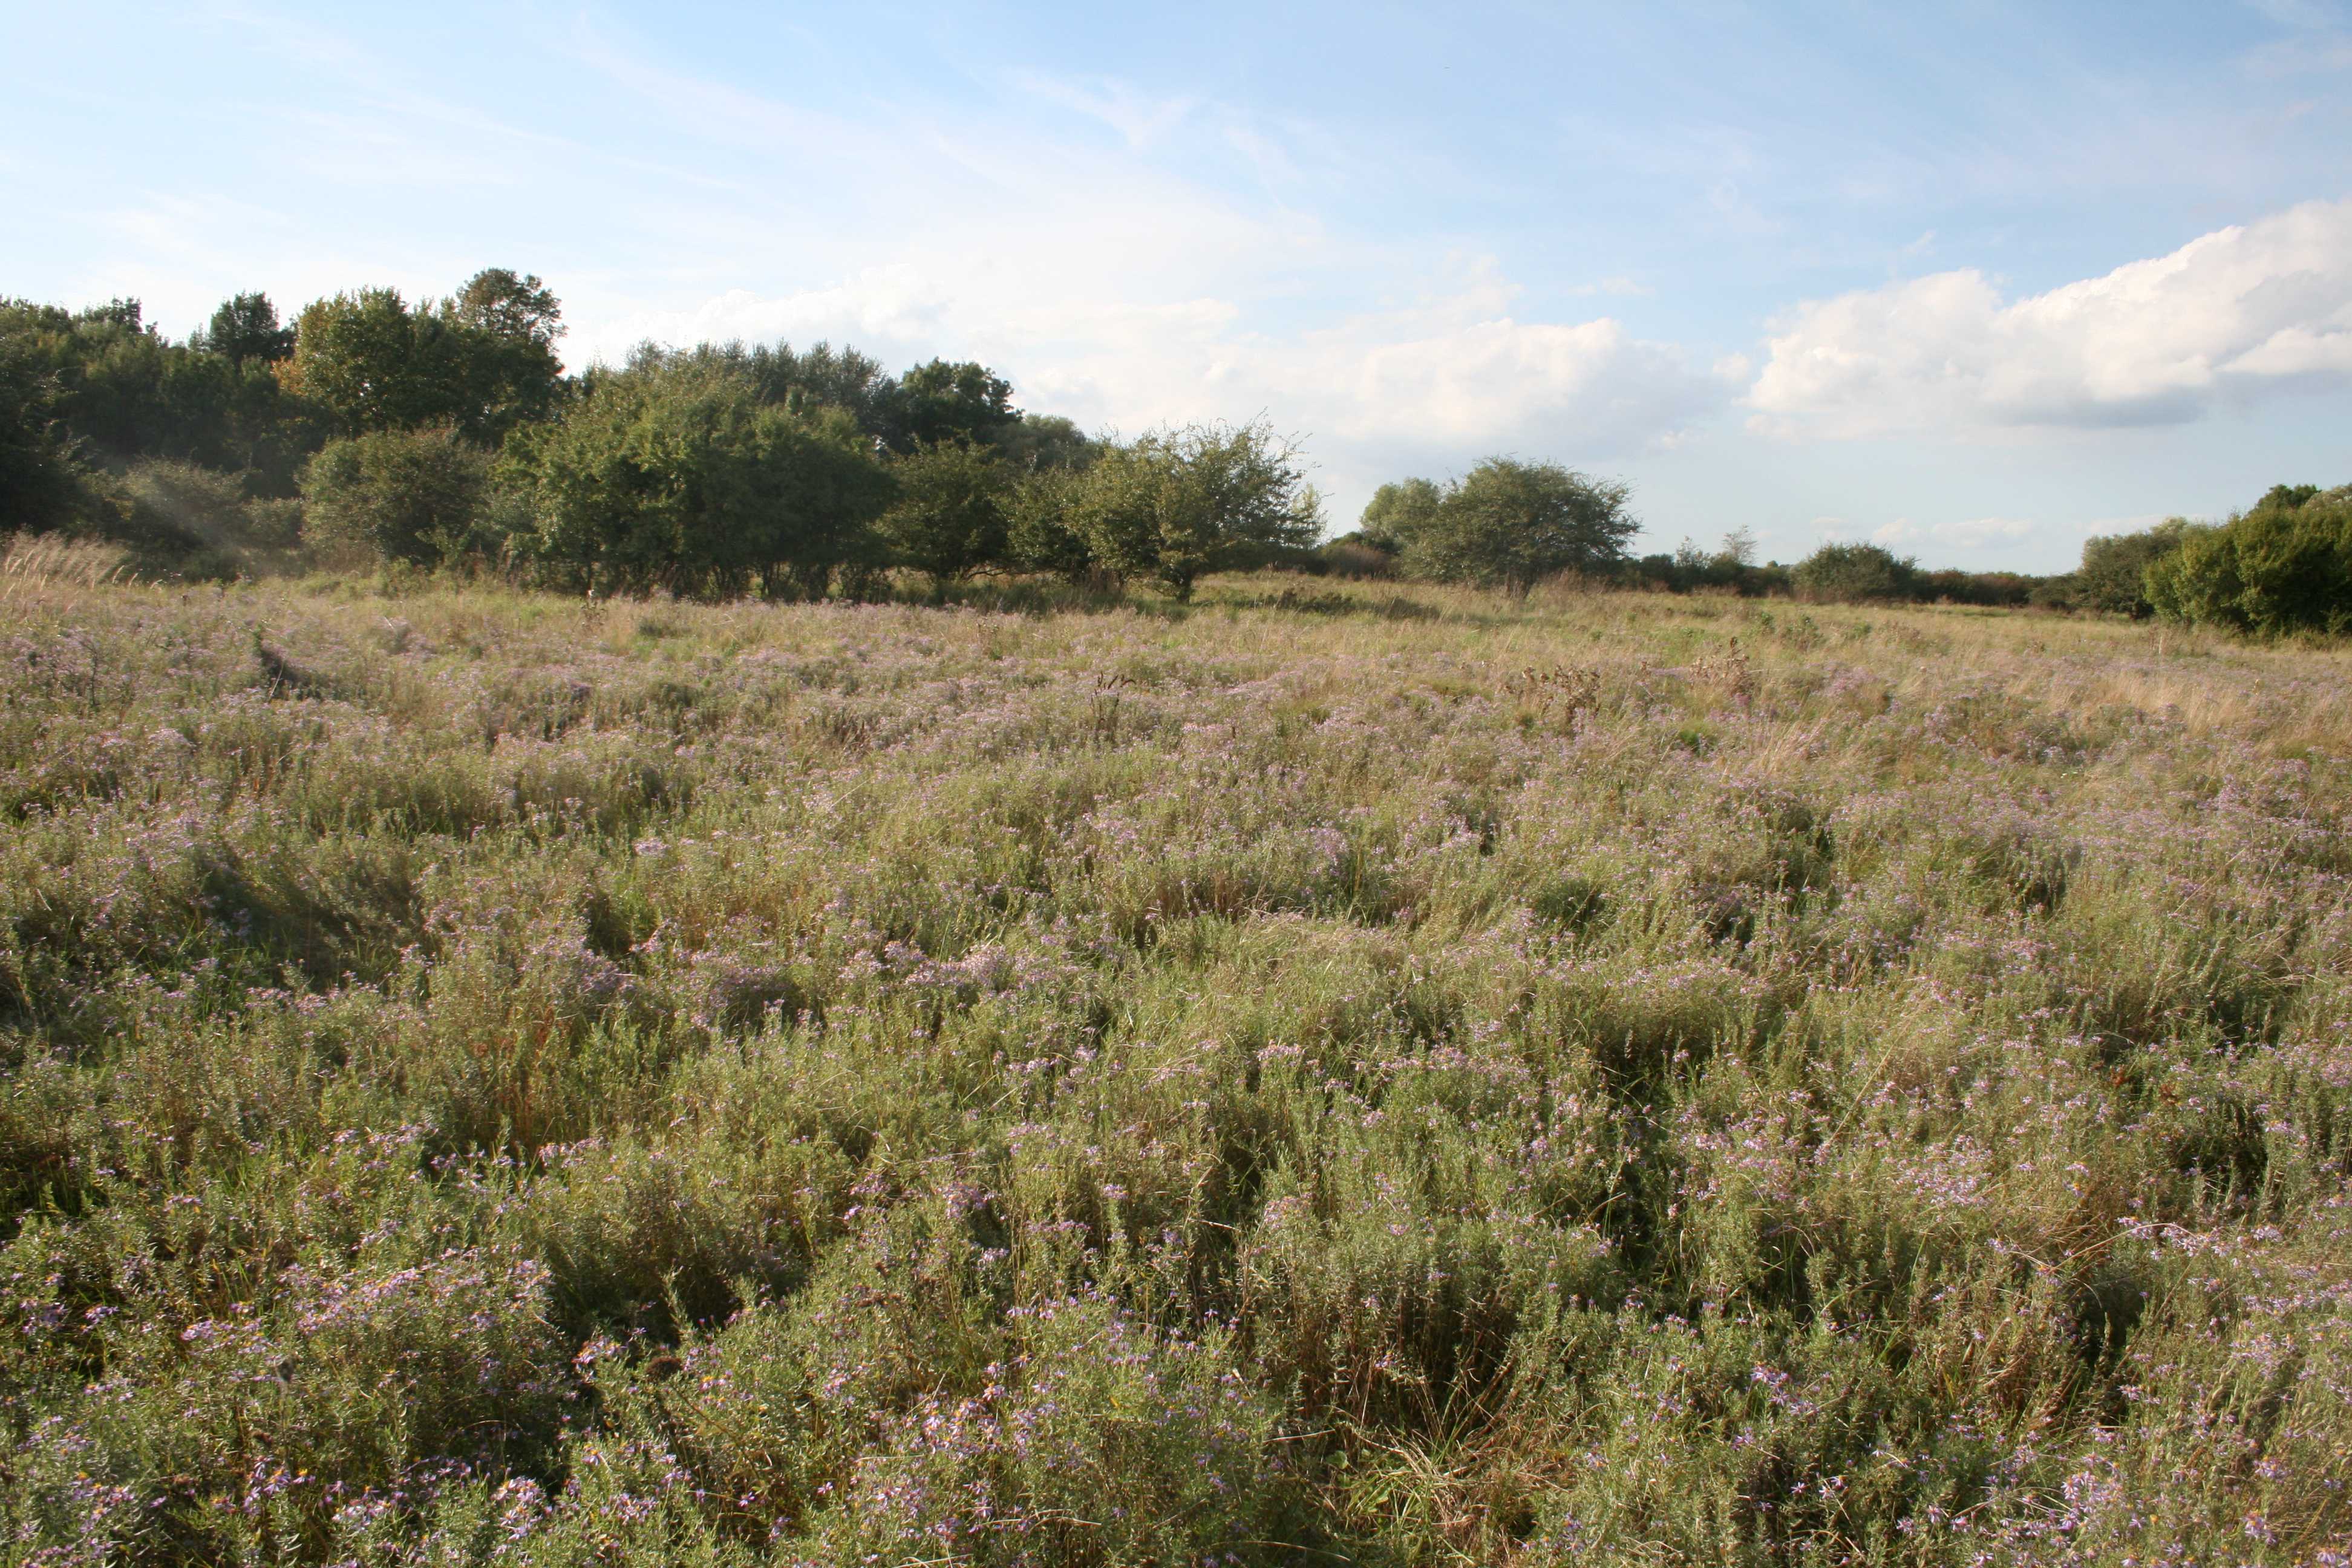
(507, 327)
(943, 402)
(516, 309)
(245, 328)
(374, 364)
(121, 386)
(39, 480)
(482, 361)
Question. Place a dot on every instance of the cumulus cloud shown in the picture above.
(1459, 372)
(1433, 384)
(2155, 342)
(1128, 259)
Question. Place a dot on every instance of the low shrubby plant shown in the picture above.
(1375, 1073)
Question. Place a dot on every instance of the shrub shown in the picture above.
(1855, 573)
(1178, 503)
(404, 495)
(1510, 524)
(212, 507)
(682, 478)
(1041, 532)
(1355, 555)
(2283, 567)
(2112, 576)
(949, 518)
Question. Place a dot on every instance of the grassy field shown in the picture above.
(1324, 1074)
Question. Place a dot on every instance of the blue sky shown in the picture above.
(1971, 281)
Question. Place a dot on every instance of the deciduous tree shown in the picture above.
(1509, 523)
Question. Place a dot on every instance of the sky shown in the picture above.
(1972, 281)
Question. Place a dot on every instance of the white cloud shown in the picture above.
(1151, 265)
(2155, 342)
(1429, 386)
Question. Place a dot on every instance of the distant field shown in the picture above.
(1325, 1074)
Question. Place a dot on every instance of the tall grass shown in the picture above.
(1391, 1075)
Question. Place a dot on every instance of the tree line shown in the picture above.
(446, 432)
(2281, 567)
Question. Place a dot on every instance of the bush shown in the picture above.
(1856, 572)
(404, 495)
(1510, 524)
(2111, 578)
(680, 478)
(1355, 555)
(950, 520)
(1953, 586)
(1178, 503)
(2283, 567)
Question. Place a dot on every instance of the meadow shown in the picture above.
(1326, 1073)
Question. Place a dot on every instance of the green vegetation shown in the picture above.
(1507, 524)
(1388, 1074)
(445, 434)
(2283, 567)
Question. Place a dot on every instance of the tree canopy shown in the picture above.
(682, 477)
(1510, 524)
(1179, 503)
(2283, 566)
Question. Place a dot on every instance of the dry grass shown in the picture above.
(1367, 1074)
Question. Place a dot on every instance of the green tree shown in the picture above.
(2283, 567)
(40, 480)
(1041, 524)
(680, 476)
(1178, 503)
(482, 361)
(507, 328)
(406, 495)
(949, 518)
(1397, 512)
(943, 402)
(798, 381)
(374, 364)
(1043, 441)
(516, 309)
(1855, 573)
(119, 388)
(2287, 498)
(2111, 578)
(245, 328)
(1509, 523)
